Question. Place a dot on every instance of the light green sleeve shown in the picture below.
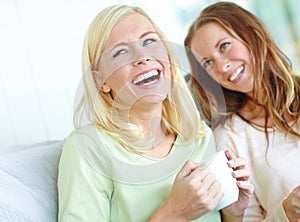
(83, 194)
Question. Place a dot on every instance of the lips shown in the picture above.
(236, 74)
(147, 78)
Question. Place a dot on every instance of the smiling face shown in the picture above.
(135, 62)
(226, 59)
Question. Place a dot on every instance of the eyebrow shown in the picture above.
(202, 60)
(220, 40)
(216, 46)
(141, 36)
(148, 33)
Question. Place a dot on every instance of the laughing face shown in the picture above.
(135, 63)
(226, 59)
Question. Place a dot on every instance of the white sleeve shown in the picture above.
(254, 212)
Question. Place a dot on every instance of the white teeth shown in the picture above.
(236, 74)
(145, 76)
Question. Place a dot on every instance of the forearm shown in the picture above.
(165, 214)
(228, 217)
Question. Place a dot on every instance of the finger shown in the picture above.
(210, 192)
(237, 163)
(241, 174)
(229, 154)
(201, 173)
(246, 186)
(215, 191)
(201, 179)
(187, 169)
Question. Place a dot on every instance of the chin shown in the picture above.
(152, 99)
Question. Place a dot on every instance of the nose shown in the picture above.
(223, 64)
(141, 61)
(140, 55)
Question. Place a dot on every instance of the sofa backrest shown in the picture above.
(28, 190)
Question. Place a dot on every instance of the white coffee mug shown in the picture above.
(218, 166)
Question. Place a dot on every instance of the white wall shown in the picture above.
(40, 60)
(40, 64)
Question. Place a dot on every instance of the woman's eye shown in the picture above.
(148, 41)
(207, 63)
(224, 46)
(119, 52)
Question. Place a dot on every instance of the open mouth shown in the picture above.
(236, 74)
(147, 78)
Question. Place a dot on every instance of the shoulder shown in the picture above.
(83, 142)
(85, 152)
(232, 124)
(87, 135)
(204, 129)
(206, 137)
(205, 132)
(227, 133)
(78, 138)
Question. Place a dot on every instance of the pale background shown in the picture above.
(40, 55)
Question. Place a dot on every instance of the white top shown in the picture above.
(274, 168)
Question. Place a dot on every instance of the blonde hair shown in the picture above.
(179, 113)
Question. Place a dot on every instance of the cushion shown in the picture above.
(28, 190)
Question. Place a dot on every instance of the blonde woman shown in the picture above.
(139, 157)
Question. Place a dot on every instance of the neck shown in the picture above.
(150, 121)
(148, 118)
(256, 114)
(161, 149)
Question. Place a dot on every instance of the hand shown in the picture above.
(242, 174)
(291, 205)
(195, 192)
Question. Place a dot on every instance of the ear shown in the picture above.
(99, 83)
(105, 88)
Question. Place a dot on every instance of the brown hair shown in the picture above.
(275, 88)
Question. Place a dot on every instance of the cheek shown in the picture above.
(213, 75)
(116, 81)
(167, 70)
(241, 51)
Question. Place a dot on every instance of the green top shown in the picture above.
(101, 181)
